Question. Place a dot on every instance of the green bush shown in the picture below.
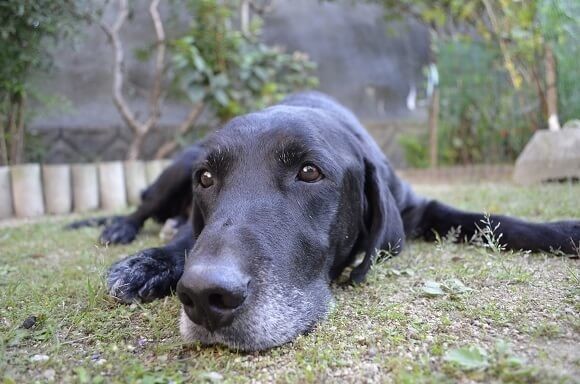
(27, 31)
(483, 119)
(216, 64)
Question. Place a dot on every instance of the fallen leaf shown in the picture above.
(468, 358)
(432, 288)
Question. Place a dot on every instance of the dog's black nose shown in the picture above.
(211, 296)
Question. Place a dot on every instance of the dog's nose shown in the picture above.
(211, 296)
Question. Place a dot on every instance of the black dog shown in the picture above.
(280, 202)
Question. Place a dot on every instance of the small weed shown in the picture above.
(488, 235)
(547, 329)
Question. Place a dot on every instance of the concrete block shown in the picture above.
(6, 208)
(135, 181)
(85, 184)
(57, 188)
(112, 185)
(27, 190)
(153, 169)
(550, 155)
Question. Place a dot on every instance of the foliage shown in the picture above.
(490, 54)
(233, 73)
(481, 119)
(27, 29)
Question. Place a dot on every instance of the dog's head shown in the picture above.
(284, 199)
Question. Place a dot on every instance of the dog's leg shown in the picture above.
(151, 273)
(169, 196)
(92, 222)
(516, 234)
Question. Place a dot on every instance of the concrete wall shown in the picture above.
(361, 63)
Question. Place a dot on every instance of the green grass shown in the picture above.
(519, 312)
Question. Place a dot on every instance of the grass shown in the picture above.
(511, 318)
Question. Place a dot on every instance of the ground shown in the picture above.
(436, 313)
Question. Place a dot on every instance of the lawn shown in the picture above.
(436, 313)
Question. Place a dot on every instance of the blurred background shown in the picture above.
(442, 82)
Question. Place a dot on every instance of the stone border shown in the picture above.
(31, 190)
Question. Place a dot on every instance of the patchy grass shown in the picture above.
(436, 313)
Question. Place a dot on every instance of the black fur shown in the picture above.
(288, 235)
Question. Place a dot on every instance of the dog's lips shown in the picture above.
(261, 328)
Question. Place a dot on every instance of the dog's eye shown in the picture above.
(309, 173)
(206, 179)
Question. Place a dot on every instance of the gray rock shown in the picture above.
(550, 155)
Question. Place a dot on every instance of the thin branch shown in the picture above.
(510, 66)
(118, 66)
(183, 129)
(261, 9)
(155, 96)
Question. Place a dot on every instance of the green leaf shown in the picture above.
(196, 94)
(432, 288)
(221, 97)
(468, 358)
(455, 286)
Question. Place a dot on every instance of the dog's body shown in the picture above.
(275, 206)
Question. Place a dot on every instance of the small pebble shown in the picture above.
(49, 374)
(39, 358)
(29, 322)
(212, 377)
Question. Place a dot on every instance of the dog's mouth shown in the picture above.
(276, 321)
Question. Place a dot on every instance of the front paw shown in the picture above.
(120, 231)
(148, 275)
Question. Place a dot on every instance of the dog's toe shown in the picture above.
(143, 277)
(119, 232)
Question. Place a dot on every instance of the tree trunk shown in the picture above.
(16, 105)
(551, 89)
(135, 146)
(3, 138)
(167, 148)
(433, 127)
(245, 17)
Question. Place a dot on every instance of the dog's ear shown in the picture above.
(382, 223)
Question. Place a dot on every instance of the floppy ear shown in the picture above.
(383, 226)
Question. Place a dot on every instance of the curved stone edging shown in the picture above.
(30, 190)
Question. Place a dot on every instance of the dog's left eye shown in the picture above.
(206, 179)
(309, 173)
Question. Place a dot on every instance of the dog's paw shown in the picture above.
(143, 277)
(119, 231)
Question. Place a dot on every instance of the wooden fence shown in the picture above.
(31, 190)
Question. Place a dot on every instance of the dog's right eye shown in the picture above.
(206, 179)
(309, 173)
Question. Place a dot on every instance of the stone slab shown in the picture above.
(550, 155)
